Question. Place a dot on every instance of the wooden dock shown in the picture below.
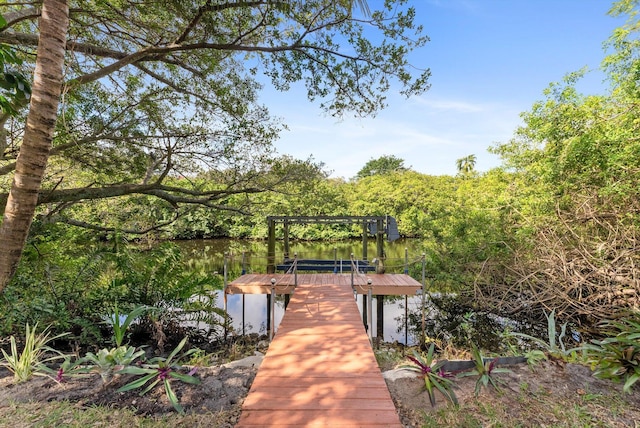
(381, 284)
(320, 369)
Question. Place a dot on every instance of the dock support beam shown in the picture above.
(365, 240)
(380, 246)
(271, 246)
(379, 319)
(370, 310)
(286, 239)
(365, 318)
(272, 310)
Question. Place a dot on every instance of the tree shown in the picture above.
(38, 135)
(577, 179)
(158, 92)
(466, 164)
(382, 165)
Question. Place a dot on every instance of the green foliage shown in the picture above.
(107, 361)
(534, 357)
(617, 357)
(160, 279)
(120, 326)
(160, 369)
(69, 368)
(554, 344)
(484, 369)
(53, 285)
(383, 165)
(14, 86)
(74, 286)
(33, 357)
(433, 375)
(576, 191)
(466, 165)
(125, 156)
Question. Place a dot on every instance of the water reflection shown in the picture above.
(249, 315)
(209, 254)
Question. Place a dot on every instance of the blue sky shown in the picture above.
(490, 60)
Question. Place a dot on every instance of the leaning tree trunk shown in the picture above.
(34, 152)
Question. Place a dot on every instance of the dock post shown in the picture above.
(286, 239)
(365, 318)
(365, 236)
(272, 309)
(271, 246)
(379, 319)
(380, 246)
(406, 321)
(406, 261)
(352, 273)
(370, 309)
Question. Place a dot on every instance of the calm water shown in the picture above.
(251, 256)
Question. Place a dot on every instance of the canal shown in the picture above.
(249, 312)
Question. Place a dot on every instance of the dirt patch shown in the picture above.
(530, 397)
(221, 389)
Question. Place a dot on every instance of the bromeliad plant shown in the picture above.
(433, 374)
(484, 369)
(107, 361)
(552, 346)
(163, 370)
(120, 326)
(617, 357)
(33, 357)
(68, 369)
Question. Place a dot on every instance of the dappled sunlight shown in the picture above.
(320, 369)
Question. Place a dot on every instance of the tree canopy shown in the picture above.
(383, 165)
(157, 93)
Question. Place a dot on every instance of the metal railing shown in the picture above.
(355, 269)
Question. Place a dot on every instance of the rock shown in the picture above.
(248, 362)
(396, 374)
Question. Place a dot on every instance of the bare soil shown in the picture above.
(526, 395)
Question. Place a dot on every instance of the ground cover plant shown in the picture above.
(485, 370)
(433, 374)
(161, 369)
(617, 356)
(34, 355)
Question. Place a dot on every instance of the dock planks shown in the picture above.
(320, 369)
(381, 284)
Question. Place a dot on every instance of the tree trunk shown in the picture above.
(40, 126)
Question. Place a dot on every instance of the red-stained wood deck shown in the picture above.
(320, 369)
(381, 284)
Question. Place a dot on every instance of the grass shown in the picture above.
(65, 414)
(526, 409)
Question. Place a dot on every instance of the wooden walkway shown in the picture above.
(381, 284)
(320, 369)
